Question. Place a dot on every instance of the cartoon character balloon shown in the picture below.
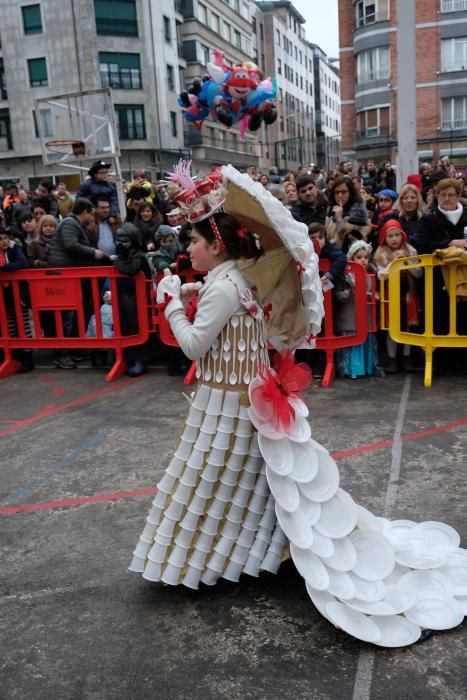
(230, 95)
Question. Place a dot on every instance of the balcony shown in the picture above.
(372, 18)
(121, 80)
(372, 75)
(452, 67)
(374, 134)
(453, 5)
(454, 124)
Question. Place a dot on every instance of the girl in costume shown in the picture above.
(246, 479)
(392, 245)
(357, 360)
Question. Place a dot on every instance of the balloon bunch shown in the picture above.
(230, 95)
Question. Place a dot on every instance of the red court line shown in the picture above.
(52, 409)
(68, 502)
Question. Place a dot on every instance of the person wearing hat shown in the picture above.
(385, 202)
(98, 184)
(168, 250)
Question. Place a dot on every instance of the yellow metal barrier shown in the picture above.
(390, 307)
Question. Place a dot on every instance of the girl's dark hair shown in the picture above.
(236, 246)
(354, 195)
(156, 215)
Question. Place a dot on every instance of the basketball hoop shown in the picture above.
(78, 148)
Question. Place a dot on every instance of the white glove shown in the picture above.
(168, 285)
(187, 290)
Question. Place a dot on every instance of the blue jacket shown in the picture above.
(337, 259)
(91, 189)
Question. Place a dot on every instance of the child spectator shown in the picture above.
(358, 360)
(44, 197)
(385, 199)
(39, 247)
(393, 245)
(166, 255)
(12, 258)
(99, 357)
(27, 233)
(328, 251)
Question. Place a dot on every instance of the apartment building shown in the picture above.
(55, 47)
(225, 25)
(368, 69)
(327, 109)
(283, 52)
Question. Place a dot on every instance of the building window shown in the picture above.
(173, 124)
(215, 23)
(373, 65)
(167, 29)
(261, 32)
(170, 78)
(32, 22)
(121, 71)
(204, 54)
(6, 143)
(373, 123)
(203, 13)
(278, 37)
(227, 31)
(371, 11)
(130, 121)
(454, 113)
(279, 66)
(453, 5)
(116, 17)
(237, 39)
(37, 68)
(454, 54)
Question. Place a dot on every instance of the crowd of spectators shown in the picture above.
(351, 214)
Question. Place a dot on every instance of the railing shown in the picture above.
(120, 80)
(371, 18)
(451, 67)
(373, 133)
(454, 124)
(442, 321)
(197, 138)
(453, 5)
(368, 76)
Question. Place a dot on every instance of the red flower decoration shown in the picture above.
(300, 267)
(281, 385)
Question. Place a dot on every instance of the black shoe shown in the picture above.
(78, 356)
(65, 362)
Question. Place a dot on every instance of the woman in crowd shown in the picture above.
(148, 219)
(347, 219)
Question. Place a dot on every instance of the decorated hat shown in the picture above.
(387, 193)
(196, 198)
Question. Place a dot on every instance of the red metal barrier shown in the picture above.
(327, 340)
(55, 290)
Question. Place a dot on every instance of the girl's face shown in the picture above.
(291, 196)
(38, 213)
(394, 239)
(48, 230)
(362, 257)
(409, 202)
(203, 254)
(384, 203)
(173, 219)
(341, 194)
(145, 214)
(4, 242)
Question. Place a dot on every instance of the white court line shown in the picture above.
(59, 590)
(366, 659)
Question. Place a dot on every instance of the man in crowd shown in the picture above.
(370, 177)
(104, 231)
(140, 182)
(64, 201)
(312, 204)
(9, 202)
(98, 184)
(44, 197)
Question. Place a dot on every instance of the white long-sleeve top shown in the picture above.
(219, 300)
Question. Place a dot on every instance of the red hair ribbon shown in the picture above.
(241, 233)
(216, 233)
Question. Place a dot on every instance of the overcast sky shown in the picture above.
(321, 23)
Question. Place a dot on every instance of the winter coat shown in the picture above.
(337, 259)
(410, 227)
(352, 227)
(310, 215)
(92, 189)
(39, 250)
(72, 246)
(436, 231)
(65, 205)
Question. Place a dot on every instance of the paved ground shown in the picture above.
(75, 624)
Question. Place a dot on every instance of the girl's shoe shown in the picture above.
(136, 369)
(391, 367)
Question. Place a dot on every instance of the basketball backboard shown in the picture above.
(77, 127)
